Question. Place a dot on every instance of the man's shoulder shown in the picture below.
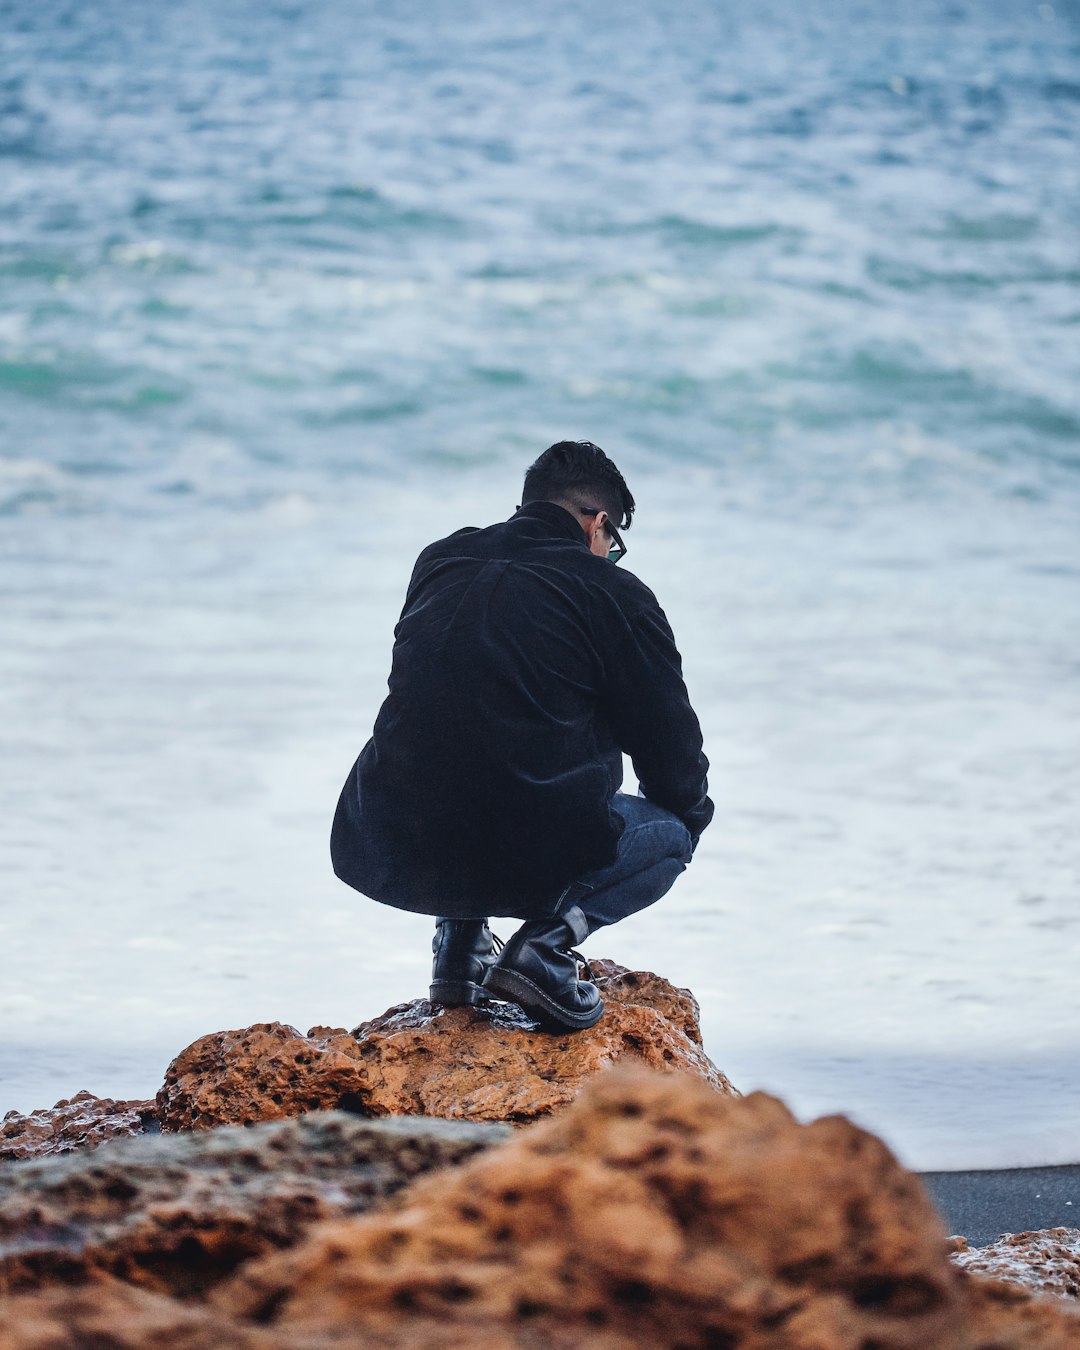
(627, 589)
(450, 544)
(610, 585)
(458, 536)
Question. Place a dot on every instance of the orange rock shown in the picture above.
(653, 1212)
(487, 1063)
(108, 1315)
(265, 1072)
(83, 1121)
(1005, 1316)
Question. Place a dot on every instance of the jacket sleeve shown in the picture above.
(650, 714)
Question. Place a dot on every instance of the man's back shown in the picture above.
(523, 666)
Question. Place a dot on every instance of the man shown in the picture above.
(524, 665)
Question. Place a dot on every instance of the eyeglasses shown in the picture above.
(617, 551)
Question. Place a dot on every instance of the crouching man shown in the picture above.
(524, 665)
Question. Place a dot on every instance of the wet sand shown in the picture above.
(982, 1205)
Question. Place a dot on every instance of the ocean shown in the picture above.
(288, 290)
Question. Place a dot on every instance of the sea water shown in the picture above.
(288, 290)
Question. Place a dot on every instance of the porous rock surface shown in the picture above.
(653, 1212)
(179, 1215)
(1047, 1262)
(82, 1121)
(106, 1314)
(489, 1063)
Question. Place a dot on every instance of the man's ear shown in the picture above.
(592, 525)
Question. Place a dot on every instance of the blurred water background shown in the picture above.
(288, 290)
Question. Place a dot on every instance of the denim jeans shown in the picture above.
(653, 851)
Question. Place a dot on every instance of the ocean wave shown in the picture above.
(14, 469)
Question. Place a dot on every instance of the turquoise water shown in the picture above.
(287, 291)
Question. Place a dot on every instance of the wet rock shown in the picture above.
(1047, 1262)
(653, 1212)
(179, 1215)
(83, 1121)
(488, 1063)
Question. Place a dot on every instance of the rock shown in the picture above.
(654, 1212)
(268, 1071)
(642, 988)
(1047, 1262)
(489, 1063)
(84, 1121)
(108, 1315)
(1003, 1316)
(179, 1215)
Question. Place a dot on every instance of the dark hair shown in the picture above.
(580, 473)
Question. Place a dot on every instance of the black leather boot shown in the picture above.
(463, 950)
(538, 970)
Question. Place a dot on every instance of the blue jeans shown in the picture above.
(653, 851)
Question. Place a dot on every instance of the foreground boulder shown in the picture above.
(82, 1121)
(489, 1063)
(179, 1215)
(653, 1212)
(109, 1315)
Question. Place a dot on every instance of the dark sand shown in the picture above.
(983, 1205)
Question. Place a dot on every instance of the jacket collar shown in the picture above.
(558, 518)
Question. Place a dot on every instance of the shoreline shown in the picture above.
(983, 1205)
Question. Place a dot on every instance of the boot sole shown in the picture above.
(456, 993)
(551, 1015)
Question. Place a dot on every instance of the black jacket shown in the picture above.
(523, 665)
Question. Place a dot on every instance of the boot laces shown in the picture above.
(583, 962)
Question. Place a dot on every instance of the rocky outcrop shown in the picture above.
(83, 1121)
(489, 1063)
(654, 1212)
(1002, 1316)
(179, 1215)
(657, 1210)
(1047, 1262)
(109, 1315)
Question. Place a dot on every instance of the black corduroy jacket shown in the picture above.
(523, 666)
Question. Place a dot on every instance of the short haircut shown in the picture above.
(579, 473)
